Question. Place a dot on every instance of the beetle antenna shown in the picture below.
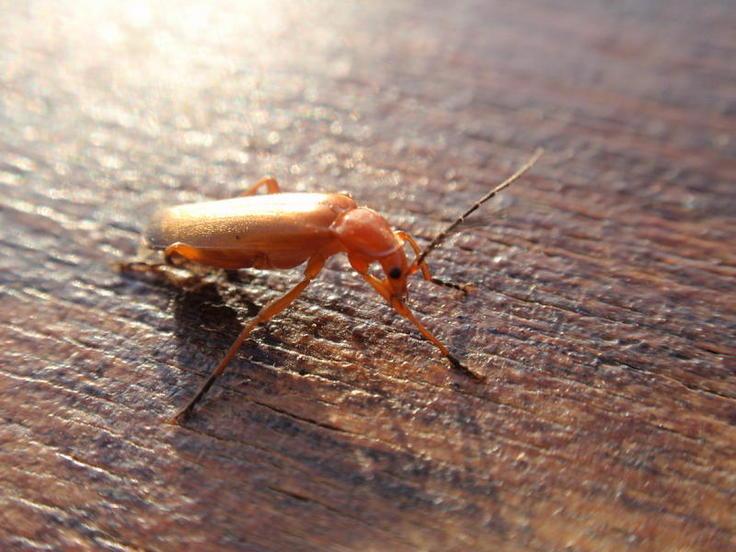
(442, 236)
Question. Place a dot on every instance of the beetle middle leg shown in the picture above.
(406, 237)
(314, 266)
(270, 183)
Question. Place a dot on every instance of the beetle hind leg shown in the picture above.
(180, 249)
(148, 265)
(218, 258)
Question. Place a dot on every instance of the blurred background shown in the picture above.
(604, 315)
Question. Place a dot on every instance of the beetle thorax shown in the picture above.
(367, 233)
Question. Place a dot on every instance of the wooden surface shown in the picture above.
(604, 316)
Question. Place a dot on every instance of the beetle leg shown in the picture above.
(406, 237)
(220, 258)
(378, 285)
(264, 315)
(400, 307)
(361, 267)
(271, 184)
(187, 251)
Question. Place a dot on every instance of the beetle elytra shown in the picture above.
(279, 230)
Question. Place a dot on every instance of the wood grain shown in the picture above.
(604, 316)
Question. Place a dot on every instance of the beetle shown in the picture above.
(278, 230)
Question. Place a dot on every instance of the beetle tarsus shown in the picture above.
(178, 419)
(460, 367)
(183, 415)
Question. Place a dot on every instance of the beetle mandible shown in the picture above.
(283, 230)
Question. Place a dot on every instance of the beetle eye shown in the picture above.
(395, 273)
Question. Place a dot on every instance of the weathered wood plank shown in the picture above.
(604, 316)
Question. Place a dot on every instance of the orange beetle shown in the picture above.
(283, 230)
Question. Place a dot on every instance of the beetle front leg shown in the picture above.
(264, 315)
(401, 308)
(270, 183)
(406, 237)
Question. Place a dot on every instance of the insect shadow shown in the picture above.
(290, 449)
(275, 429)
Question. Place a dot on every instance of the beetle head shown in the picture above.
(367, 238)
(397, 270)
